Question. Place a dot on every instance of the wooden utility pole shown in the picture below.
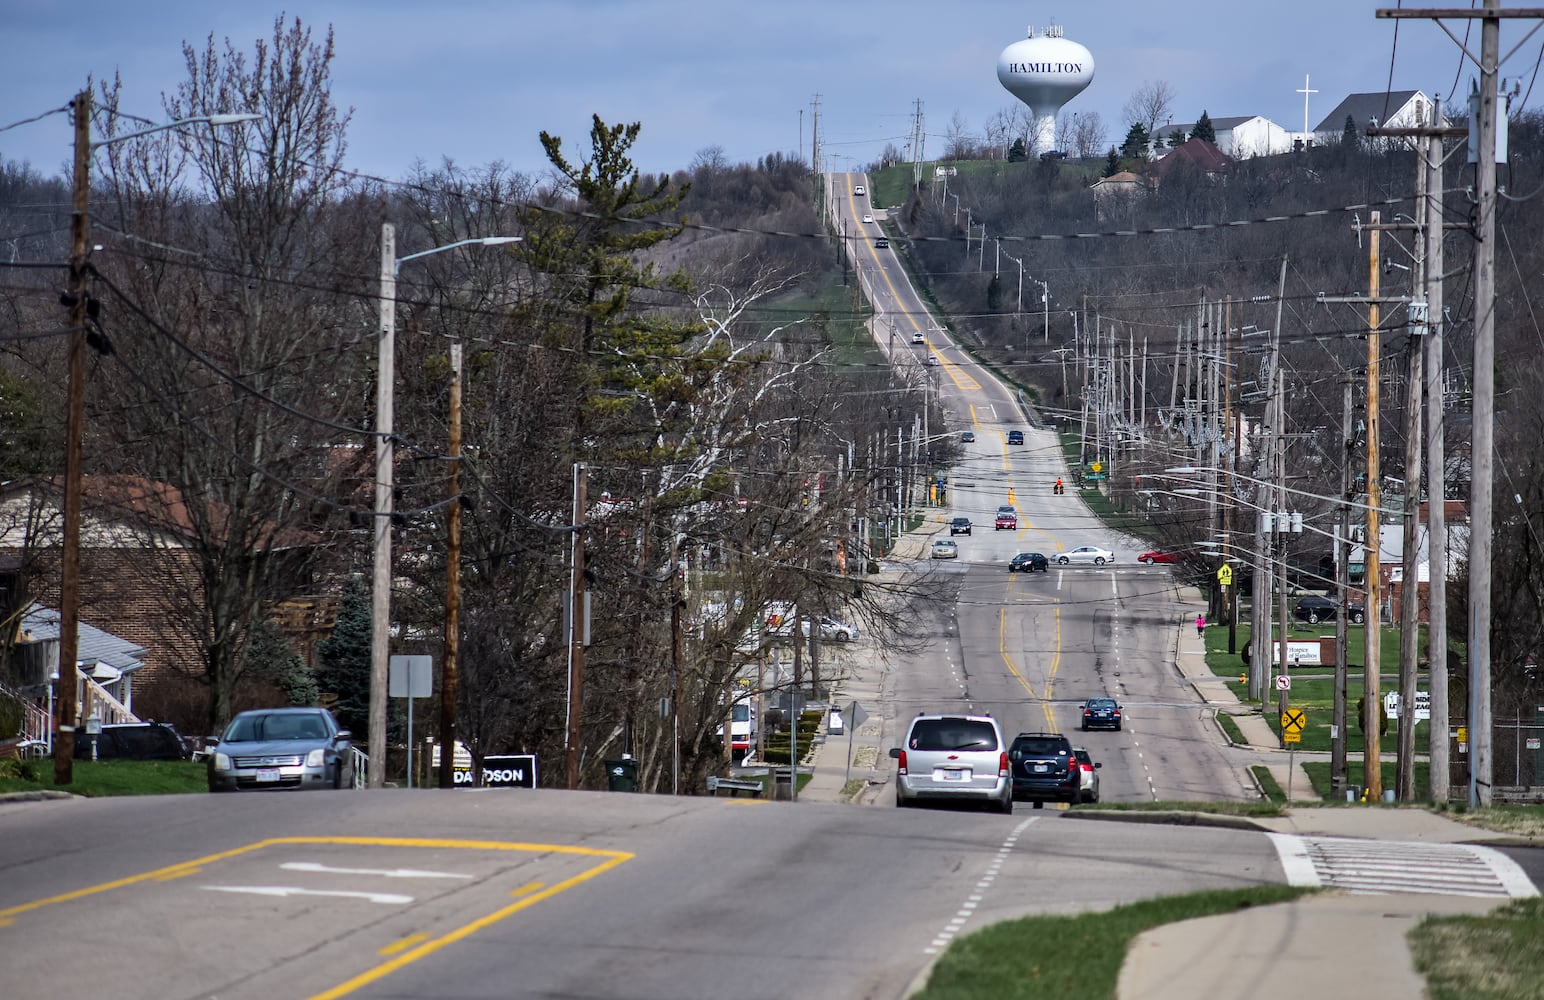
(571, 740)
(677, 602)
(380, 567)
(1372, 704)
(450, 681)
(1342, 588)
(75, 420)
(1436, 491)
(1410, 563)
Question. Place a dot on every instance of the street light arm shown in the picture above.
(195, 120)
(487, 241)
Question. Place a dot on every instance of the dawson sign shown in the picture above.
(507, 771)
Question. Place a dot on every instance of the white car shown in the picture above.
(859, 191)
(832, 630)
(932, 359)
(1086, 554)
(945, 549)
(918, 338)
(867, 218)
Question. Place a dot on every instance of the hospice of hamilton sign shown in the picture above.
(506, 771)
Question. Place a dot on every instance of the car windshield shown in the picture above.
(275, 726)
(952, 734)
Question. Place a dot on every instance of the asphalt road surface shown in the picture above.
(507, 893)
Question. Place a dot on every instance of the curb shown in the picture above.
(1167, 817)
(38, 795)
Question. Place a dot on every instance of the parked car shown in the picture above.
(132, 741)
(1086, 554)
(1161, 556)
(1029, 562)
(832, 630)
(967, 437)
(959, 526)
(1044, 769)
(1088, 772)
(1101, 713)
(1314, 608)
(958, 757)
(273, 748)
(943, 548)
(1015, 437)
(1007, 517)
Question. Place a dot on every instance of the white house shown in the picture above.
(1391, 109)
(1239, 137)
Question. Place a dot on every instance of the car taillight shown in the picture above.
(1087, 712)
(1002, 764)
(900, 763)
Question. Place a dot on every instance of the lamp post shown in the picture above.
(75, 415)
(385, 408)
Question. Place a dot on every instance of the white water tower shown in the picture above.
(1045, 73)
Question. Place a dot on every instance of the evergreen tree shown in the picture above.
(1176, 139)
(1111, 164)
(1204, 129)
(344, 659)
(1137, 143)
(1350, 138)
(1016, 152)
(994, 293)
(273, 658)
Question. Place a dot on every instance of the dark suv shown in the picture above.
(132, 741)
(1044, 769)
(1313, 609)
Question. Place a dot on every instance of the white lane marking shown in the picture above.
(1380, 866)
(312, 866)
(387, 898)
(967, 909)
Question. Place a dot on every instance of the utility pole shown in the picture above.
(576, 595)
(1410, 587)
(1342, 588)
(1230, 594)
(1436, 485)
(75, 421)
(449, 680)
(1280, 521)
(677, 602)
(1372, 704)
(380, 575)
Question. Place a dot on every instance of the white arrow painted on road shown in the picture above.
(312, 866)
(286, 890)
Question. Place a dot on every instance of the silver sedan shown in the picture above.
(274, 748)
(1086, 554)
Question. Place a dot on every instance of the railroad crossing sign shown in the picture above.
(1292, 722)
(1225, 575)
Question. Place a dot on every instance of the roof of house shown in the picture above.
(1123, 177)
(1218, 124)
(1198, 152)
(95, 646)
(1362, 108)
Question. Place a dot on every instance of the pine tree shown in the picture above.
(271, 657)
(1204, 129)
(1137, 143)
(1016, 152)
(1350, 138)
(344, 659)
(1111, 164)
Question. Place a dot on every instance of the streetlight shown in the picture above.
(380, 586)
(75, 414)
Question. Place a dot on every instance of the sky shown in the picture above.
(477, 81)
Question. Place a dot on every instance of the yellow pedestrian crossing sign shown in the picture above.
(1225, 575)
(1096, 466)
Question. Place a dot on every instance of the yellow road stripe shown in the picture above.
(406, 942)
(524, 889)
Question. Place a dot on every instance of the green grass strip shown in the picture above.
(1075, 957)
(1496, 956)
(1268, 783)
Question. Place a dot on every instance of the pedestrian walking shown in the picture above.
(1201, 626)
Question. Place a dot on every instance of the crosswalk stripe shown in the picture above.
(1383, 866)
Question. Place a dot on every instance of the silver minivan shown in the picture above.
(959, 757)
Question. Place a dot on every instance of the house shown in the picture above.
(1394, 109)
(1198, 153)
(1237, 137)
(1117, 190)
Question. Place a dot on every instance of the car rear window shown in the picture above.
(1100, 703)
(1041, 745)
(952, 734)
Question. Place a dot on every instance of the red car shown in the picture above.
(1160, 556)
(1007, 517)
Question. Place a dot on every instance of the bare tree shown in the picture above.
(1150, 105)
(959, 143)
(1089, 136)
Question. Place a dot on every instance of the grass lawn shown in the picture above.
(1071, 957)
(107, 777)
(1319, 774)
(1491, 957)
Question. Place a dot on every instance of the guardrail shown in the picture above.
(734, 786)
(361, 764)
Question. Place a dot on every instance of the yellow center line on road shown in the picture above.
(1050, 676)
(405, 943)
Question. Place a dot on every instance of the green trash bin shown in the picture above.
(622, 775)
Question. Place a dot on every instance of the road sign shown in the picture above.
(1096, 466)
(1293, 720)
(1225, 575)
(1283, 682)
(1291, 736)
(1463, 735)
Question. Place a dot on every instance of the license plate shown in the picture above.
(943, 775)
(268, 774)
(1042, 768)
